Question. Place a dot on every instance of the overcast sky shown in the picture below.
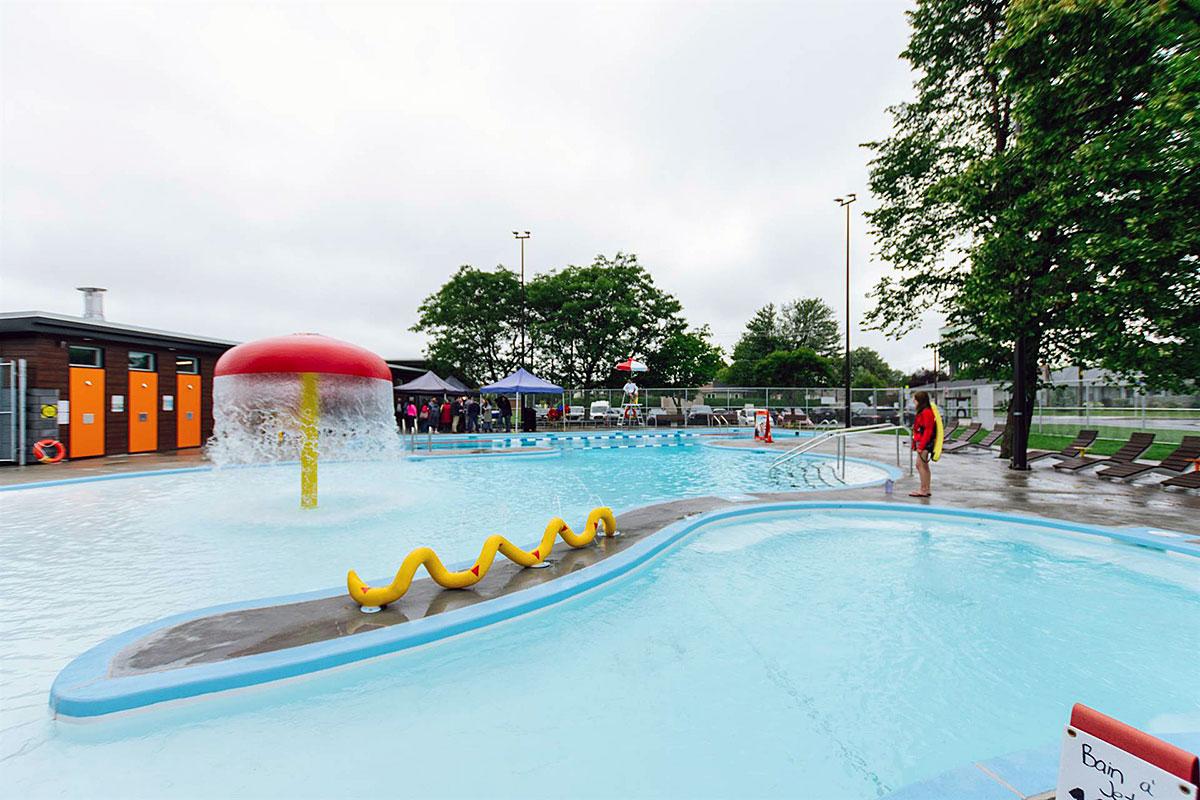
(242, 170)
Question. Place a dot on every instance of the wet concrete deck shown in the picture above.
(977, 479)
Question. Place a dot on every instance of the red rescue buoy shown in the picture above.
(41, 448)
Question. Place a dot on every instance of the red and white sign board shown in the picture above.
(1105, 759)
(762, 425)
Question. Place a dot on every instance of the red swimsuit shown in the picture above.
(924, 428)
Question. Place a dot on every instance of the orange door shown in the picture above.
(87, 412)
(143, 411)
(187, 411)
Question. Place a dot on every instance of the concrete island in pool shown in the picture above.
(256, 642)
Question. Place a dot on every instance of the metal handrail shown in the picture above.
(840, 434)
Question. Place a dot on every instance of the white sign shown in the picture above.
(64, 412)
(168, 402)
(118, 402)
(1093, 769)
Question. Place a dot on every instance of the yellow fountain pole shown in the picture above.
(310, 406)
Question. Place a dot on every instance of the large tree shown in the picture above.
(870, 370)
(803, 324)
(1041, 190)
(685, 358)
(587, 318)
(473, 323)
(809, 323)
(800, 367)
(1107, 168)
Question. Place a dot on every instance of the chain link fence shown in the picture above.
(1116, 410)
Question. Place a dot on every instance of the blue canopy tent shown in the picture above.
(523, 382)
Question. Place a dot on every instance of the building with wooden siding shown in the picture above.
(105, 388)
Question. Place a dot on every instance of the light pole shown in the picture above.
(845, 203)
(522, 235)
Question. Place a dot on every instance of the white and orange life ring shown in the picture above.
(41, 448)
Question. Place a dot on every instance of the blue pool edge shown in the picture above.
(84, 690)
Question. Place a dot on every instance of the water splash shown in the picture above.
(257, 419)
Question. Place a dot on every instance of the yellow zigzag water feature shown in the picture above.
(381, 596)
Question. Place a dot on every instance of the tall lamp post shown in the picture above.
(845, 203)
(522, 235)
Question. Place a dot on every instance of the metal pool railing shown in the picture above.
(840, 436)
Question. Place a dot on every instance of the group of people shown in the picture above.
(454, 415)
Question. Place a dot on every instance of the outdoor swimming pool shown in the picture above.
(849, 652)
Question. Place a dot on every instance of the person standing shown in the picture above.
(924, 431)
(410, 414)
(505, 412)
(473, 415)
(425, 420)
(444, 416)
(485, 413)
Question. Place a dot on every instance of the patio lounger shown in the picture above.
(948, 430)
(1188, 480)
(1178, 462)
(1082, 441)
(962, 442)
(962, 439)
(986, 442)
(1138, 443)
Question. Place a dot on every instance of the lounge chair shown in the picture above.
(986, 442)
(948, 430)
(1081, 442)
(962, 439)
(1188, 480)
(1176, 463)
(1138, 443)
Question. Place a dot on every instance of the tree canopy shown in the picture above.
(581, 320)
(473, 323)
(1041, 189)
(803, 324)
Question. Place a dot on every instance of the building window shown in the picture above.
(187, 365)
(142, 362)
(81, 356)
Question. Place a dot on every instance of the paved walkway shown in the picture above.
(980, 480)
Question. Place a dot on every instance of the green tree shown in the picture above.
(587, 318)
(809, 322)
(761, 337)
(685, 358)
(1073, 241)
(870, 370)
(800, 367)
(473, 323)
(1107, 169)
(925, 376)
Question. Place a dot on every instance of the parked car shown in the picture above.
(868, 415)
(598, 411)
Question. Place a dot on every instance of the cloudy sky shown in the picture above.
(241, 170)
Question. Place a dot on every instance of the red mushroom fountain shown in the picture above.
(272, 399)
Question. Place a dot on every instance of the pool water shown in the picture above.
(82, 562)
(823, 654)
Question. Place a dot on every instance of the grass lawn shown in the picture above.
(1101, 447)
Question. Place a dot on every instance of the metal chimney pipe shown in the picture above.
(93, 302)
